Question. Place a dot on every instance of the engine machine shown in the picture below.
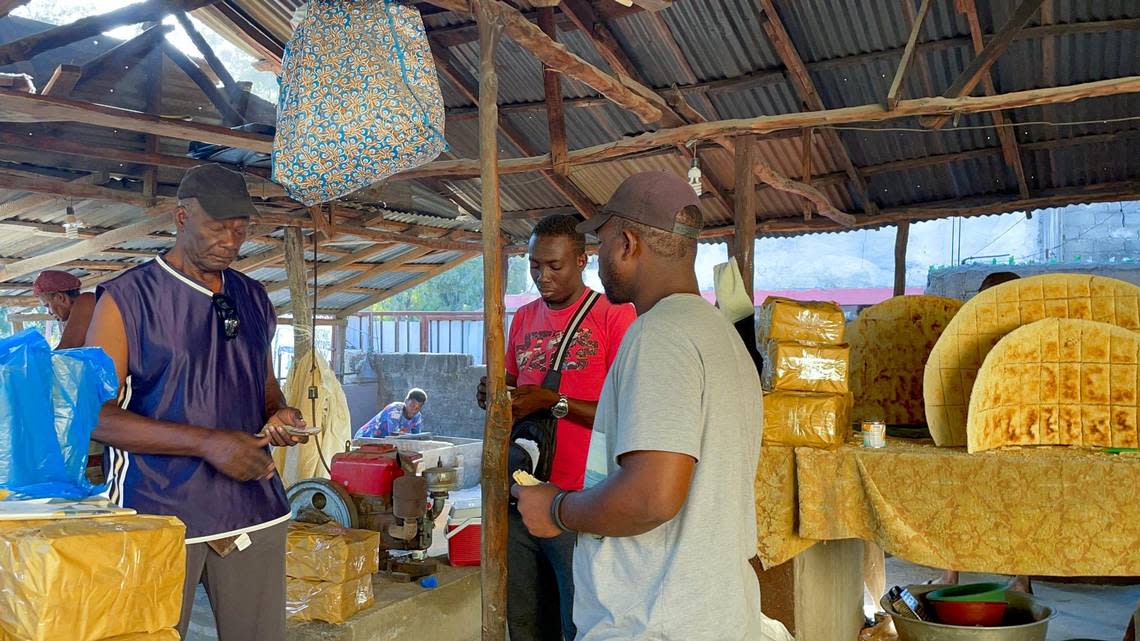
(375, 487)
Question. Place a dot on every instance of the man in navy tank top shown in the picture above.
(199, 407)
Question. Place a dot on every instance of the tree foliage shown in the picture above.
(456, 290)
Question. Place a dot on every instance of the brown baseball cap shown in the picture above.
(651, 198)
(221, 192)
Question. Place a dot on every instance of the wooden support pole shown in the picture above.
(745, 209)
(496, 431)
(27, 47)
(153, 68)
(902, 235)
(552, 88)
(980, 65)
(828, 596)
(805, 166)
(298, 292)
(908, 55)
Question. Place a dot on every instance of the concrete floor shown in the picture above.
(1086, 611)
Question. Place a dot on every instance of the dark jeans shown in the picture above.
(540, 585)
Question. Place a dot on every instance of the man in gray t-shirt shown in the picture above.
(665, 539)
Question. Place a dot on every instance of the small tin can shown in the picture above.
(874, 434)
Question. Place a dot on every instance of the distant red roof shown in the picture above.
(852, 296)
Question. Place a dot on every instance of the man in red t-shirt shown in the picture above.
(540, 591)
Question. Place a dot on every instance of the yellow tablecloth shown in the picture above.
(1039, 511)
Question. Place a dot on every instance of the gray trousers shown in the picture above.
(246, 588)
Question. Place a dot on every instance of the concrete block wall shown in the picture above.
(449, 380)
(962, 282)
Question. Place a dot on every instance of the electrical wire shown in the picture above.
(1069, 240)
(313, 372)
(1032, 123)
(996, 238)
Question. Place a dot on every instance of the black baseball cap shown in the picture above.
(220, 192)
(651, 198)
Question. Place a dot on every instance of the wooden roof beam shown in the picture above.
(1006, 135)
(208, 54)
(668, 137)
(155, 218)
(625, 92)
(980, 65)
(6, 6)
(908, 54)
(116, 56)
(466, 85)
(406, 285)
(805, 88)
(27, 181)
(29, 46)
(394, 265)
(220, 101)
(63, 81)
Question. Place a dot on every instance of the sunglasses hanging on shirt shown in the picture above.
(226, 310)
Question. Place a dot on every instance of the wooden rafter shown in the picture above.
(6, 6)
(154, 76)
(980, 65)
(220, 101)
(745, 211)
(208, 54)
(462, 81)
(62, 81)
(552, 90)
(979, 206)
(908, 54)
(61, 36)
(624, 92)
(354, 260)
(35, 183)
(22, 107)
(1006, 135)
(805, 167)
(115, 57)
(155, 218)
(805, 88)
(796, 121)
(396, 264)
(406, 285)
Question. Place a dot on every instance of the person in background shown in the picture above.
(401, 417)
(199, 406)
(540, 592)
(58, 291)
(1019, 583)
(664, 541)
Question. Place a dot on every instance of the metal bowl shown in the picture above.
(1024, 605)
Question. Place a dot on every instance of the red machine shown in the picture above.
(369, 470)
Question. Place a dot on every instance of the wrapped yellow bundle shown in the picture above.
(805, 367)
(801, 419)
(324, 601)
(90, 579)
(890, 343)
(784, 319)
(986, 318)
(166, 634)
(330, 552)
(1058, 382)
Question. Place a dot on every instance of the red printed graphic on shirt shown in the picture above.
(539, 347)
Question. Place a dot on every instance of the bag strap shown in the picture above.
(554, 375)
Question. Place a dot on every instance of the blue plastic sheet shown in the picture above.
(49, 405)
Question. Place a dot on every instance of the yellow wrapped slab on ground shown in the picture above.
(804, 419)
(784, 319)
(805, 367)
(330, 552)
(986, 318)
(329, 602)
(168, 634)
(1058, 382)
(890, 343)
(90, 579)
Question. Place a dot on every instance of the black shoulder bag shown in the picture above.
(541, 426)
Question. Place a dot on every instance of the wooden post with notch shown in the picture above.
(744, 200)
(552, 88)
(152, 66)
(298, 292)
(902, 235)
(805, 166)
(497, 429)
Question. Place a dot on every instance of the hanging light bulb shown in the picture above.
(695, 176)
(72, 224)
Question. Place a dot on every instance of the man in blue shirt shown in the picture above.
(397, 418)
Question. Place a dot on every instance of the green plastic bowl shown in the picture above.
(971, 593)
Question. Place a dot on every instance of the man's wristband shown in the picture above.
(556, 511)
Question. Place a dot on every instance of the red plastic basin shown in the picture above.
(969, 612)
